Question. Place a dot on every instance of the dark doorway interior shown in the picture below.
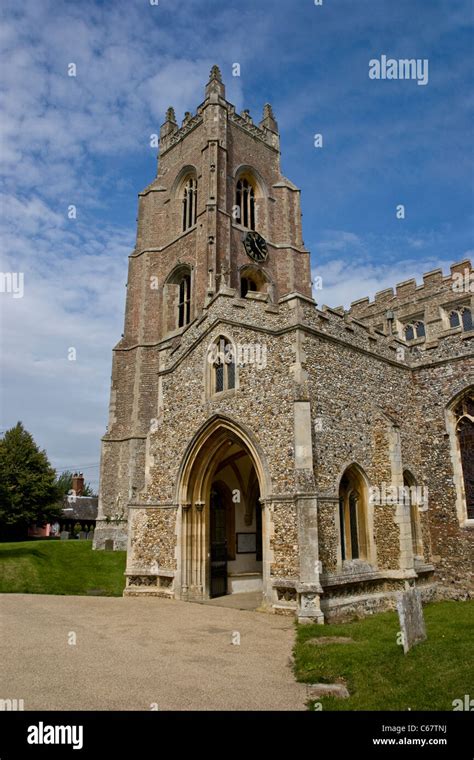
(218, 545)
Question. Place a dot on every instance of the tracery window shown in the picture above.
(454, 320)
(353, 515)
(177, 298)
(464, 426)
(466, 317)
(461, 317)
(184, 302)
(415, 330)
(189, 203)
(222, 361)
(245, 203)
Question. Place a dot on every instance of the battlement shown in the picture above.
(439, 342)
(342, 326)
(433, 282)
(421, 315)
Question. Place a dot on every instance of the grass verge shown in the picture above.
(60, 567)
(377, 673)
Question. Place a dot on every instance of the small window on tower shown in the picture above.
(189, 203)
(184, 305)
(245, 203)
(246, 285)
(253, 280)
(177, 293)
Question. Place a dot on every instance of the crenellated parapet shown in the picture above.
(171, 134)
(422, 315)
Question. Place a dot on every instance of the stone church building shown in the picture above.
(259, 442)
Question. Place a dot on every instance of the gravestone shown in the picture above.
(109, 545)
(316, 690)
(410, 614)
(90, 535)
(64, 535)
(82, 535)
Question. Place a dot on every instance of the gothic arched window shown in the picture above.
(454, 320)
(415, 330)
(464, 429)
(245, 203)
(253, 280)
(353, 515)
(466, 316)
(221, 358)
(420, 329)
(189, 203)
(461, 317)
(177, 301)
(247, 285)
(184, 302)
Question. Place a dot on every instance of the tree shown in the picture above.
(28, 489)
(64, 484)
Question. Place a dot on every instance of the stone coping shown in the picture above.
(161, 572)
(344, 579)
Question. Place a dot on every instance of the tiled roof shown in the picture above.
(80, 507)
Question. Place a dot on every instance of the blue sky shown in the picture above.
(85, 141)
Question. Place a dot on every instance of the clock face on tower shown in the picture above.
(256, 246)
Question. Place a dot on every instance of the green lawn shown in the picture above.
(60, 567)
(377, 673)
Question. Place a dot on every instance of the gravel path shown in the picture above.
(133, 653)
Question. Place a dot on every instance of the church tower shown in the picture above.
(201, 378)
(218, 218)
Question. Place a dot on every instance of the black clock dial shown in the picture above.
(256, 246)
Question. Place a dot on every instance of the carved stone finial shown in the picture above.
(268, 111)
(170, 115)
(187, 117)
(215, 73)
(215, 87)
(269, 122)
(169, 127)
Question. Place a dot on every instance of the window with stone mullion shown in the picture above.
(224, 369)
(184, 305)
(467, 319)
(245, 202)
(189, 204)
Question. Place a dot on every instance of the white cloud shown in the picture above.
(350, 266)
(56, 131)
(70, 140)
(344, 281)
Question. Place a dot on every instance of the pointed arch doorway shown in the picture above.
(222, 523)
